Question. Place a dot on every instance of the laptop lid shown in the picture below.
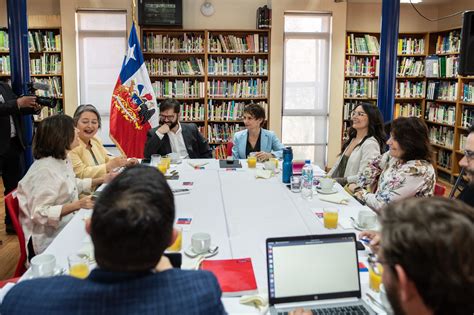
(312, 267)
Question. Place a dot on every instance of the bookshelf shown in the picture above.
(213, 73)
(4, 55)
(427, 86)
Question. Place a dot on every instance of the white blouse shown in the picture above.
(48, 185)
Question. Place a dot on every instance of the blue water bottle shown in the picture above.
(287, 164)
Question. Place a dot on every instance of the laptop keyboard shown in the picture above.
(345, 310)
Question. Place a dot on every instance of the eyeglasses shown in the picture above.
(168, 117)
(469, 154)
(359, 114)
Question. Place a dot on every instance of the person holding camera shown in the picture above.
(13, 139)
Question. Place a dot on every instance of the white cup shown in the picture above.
(269, 165)
(174, 157)
(43, 265)
(326, 183)
(366, 219)
(200, 242)
(155, 160)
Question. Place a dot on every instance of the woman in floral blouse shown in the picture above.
(404, 171)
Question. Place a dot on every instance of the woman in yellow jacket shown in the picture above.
(90, 159)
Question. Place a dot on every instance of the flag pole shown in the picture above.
(134, 7)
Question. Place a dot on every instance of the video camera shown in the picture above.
(50, 102)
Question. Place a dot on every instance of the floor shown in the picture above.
(9, 248)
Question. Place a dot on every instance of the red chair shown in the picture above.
(14, 209)
(228, 149)
(439, 190)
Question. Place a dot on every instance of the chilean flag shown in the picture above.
(133, 109)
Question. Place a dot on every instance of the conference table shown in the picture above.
(239, 211)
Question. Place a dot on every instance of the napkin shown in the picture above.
(265, 174)
(335, 198)
(197, 164)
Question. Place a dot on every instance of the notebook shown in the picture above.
(318, 272)
(235, 276)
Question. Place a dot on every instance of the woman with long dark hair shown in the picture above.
(366, 141)
(404, 171)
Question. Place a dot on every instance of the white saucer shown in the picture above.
(359, 228)
(326, 192)
(190, 253)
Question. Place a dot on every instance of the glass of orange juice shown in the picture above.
(166, 160)
(375, 276)
(162, 167)
(177, 245)
(78, 266)
(330, 218)
(252, 160)
(274, 160)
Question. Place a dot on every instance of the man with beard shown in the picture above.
(173, 137)
(427, 256)
(467, 162)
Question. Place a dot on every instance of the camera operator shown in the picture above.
(13, 139)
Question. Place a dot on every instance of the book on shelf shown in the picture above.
(462, 142)
(449, 43)
(191, 112)
(364, 44)
(235, 276)
(55, 87)
(4, 44)
(445, 114)
(432, 66)
(250, 43)
(360, 87)
(442, 135)
(5, 65)
(410, 67)
(432, 90)
(411, 46)
(46, 64)
(44, 41)
(252, 88)
(467, 92)
(264, 17)
(407, 110)
(179, 88)
(410, 89)
(179, 43)
(448, 66)
(447, 91)
(166, 66)
(444, 159)
(467, 117)
(237, 66)
(223, 132)
(362, 66)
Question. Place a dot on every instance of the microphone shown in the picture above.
(40, 86)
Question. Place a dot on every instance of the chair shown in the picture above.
(11, 202)
(439, 190)
(228, 149)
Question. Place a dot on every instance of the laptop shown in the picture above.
(316, 272)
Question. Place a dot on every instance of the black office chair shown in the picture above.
(458, 185)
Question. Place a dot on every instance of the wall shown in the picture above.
(450, 8)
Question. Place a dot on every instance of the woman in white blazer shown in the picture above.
(366, 141)
(254, 138)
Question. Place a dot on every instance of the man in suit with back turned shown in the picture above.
(13, 139)
(173, 137)
(131, 226)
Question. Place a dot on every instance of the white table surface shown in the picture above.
(238, 211)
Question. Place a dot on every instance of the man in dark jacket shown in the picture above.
(12, 139)
(467, 162)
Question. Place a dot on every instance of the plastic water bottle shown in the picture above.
(287, 165)
(307, 180)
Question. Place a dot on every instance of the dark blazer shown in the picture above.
(7, 109)
(196, 144)
(173, 291)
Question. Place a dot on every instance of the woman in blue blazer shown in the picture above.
(254, 138)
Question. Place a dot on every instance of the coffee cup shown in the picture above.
(43, 265)
(200, 242)
(174, 157)
(326, 183)
(366, 219)
(269, 165)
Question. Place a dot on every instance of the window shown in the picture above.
(102, 41)
(305, 86)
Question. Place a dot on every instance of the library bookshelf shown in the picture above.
(44, 45)
(427, 86)
(212, 73)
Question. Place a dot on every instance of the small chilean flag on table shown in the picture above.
(133, 109)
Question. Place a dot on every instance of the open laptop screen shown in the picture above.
(312, 268)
